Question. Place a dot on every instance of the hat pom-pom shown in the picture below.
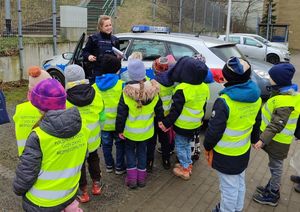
(34, 71)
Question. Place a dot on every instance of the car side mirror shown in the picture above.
(67, 55)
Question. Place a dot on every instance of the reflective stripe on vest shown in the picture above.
(195, 98)
(25, 118)
(236, 137)
(51, 195)
(54, 175)
(165, 95)
(287, 134)
(111, 99)
(90, 113)
(139, 123)
(60, 171)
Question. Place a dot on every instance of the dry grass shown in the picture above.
(134, 12)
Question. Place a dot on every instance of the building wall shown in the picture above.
(288, 12)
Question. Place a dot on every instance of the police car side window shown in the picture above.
(123, 44)
(151, 49)
(181, 50)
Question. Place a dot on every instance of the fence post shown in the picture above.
(212, 19)
(204, 18)
(228, 20)
(7, 17)
(20, 39)
(115, 16)
(180, 15)
(194, 18)
(54, 27)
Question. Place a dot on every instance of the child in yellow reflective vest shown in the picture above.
(90, 105)
(137, 107)
(49, 170)
(26, 114)
(280, 116)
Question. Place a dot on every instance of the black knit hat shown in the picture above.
(110, 64)
(236, 70)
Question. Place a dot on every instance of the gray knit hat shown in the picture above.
(74, 73)
(136, 70)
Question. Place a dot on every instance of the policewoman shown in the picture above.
(99, 44)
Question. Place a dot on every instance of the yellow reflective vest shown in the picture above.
(25, 118)
(90, 114)
(60, 169)
(165, 94)
(192, 113)
(111, 99)
(287, 134)
(236, 139)
(139, 125)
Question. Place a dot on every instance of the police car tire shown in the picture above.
(58, 76)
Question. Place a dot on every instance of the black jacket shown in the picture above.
(186, 70)
(99, 44)
(61, 124)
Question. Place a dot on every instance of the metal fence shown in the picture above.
(36, 15)
(199, 16)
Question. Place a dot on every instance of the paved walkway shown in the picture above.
(165, 192)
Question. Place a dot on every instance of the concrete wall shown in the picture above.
(34, 54)
(73, 21)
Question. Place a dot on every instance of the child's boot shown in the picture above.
(295, 179)
(83, 195)
(263, 189)
(141, 177)
(269, 197)
(184, 173)
(297, 187)
(149, 166)
(96, 188)
(131, 178)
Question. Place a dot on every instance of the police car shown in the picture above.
(154, 42)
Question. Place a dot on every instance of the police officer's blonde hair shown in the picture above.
(101, 20)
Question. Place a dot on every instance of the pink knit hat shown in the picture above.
(49, 94)
(35, 75)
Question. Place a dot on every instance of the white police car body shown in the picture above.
(154, 45)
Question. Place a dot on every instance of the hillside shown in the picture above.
(137, 12)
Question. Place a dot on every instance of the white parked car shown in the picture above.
(154, 45)
(252, 47)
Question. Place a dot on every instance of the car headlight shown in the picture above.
(262, 74)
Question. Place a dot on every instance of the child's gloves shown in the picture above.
(209, 156)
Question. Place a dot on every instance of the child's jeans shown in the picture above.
(233, 191)
(94, 169)
(183, 150)
(107, 138)
(275, 167)
(136, 154)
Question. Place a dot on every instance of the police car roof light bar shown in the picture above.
(146, 28)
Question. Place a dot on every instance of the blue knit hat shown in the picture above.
(282, 74)
(136, 70)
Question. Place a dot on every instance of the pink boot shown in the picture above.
(141, 177)
(131, 178)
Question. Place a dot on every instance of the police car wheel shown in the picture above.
(58, 76)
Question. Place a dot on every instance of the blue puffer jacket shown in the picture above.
(246, 92)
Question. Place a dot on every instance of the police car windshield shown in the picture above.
(225, 52)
